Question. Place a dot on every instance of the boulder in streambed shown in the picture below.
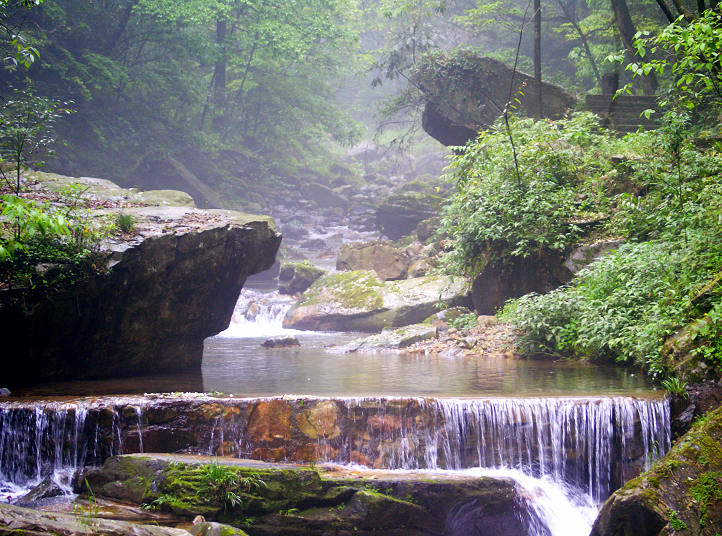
(393, 339)
(681, 494)
(400, 213)
(387, 261)
(295, 277)
(361, 301)
(45, 490)
(150, 300)
(300, 500)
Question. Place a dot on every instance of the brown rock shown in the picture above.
(270, 420)
(320, 421)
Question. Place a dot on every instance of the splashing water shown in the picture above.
(259, 314)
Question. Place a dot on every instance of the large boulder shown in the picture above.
(682, 493)
(154, 298)
(400, 213)
(361, 301)
(465, 92)
(288, 499)
(386, 260)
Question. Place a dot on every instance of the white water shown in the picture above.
(259, 314)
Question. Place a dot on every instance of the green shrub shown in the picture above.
(124, 222)
(544, 209)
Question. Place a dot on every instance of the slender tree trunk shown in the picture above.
(219, 74)
(538, 97)
(626, 31)
(571, 15)
(700, 7)
(666, 10)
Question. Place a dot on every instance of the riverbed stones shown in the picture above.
(320, 421)
(15, 520)
(161, 292)
(361, 301)
(393, 339)
(387, 261)
(281, 342)
(682, 493)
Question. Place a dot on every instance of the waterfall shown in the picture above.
(592, 445)
(259, 314)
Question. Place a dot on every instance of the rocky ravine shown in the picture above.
(166, 288)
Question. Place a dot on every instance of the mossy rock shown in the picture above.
(683, 489)
(295, 277)
(400, 213)
(361, 301)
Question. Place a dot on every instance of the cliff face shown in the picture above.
(165, 290)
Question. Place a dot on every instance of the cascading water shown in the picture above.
(259, 314)
(591, 445)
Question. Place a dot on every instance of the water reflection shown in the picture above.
(241, 366)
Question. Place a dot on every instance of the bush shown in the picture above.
(542, 210)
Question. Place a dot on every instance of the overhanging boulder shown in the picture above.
(465, 92)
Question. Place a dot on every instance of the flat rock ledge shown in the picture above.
(167, 285)
(313, 501)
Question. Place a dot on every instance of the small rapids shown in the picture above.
(259, 314)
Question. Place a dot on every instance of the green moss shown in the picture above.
(706, 489)
(675, 522)
(353, 290)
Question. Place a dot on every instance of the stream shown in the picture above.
(567, 433)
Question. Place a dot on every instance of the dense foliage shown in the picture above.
(541, 208)
(626, 304)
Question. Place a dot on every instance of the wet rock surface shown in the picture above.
(167, 287)
(285, 499)
(682, 493)
(393, 339)
(296, 277)
(281, 342)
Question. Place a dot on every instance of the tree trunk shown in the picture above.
(537, 59)
(626, 31)
(571, 14)
(219, 74)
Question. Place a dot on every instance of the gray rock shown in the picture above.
(462, 91)
(386, 260)
(393, 339)
(164, 291)
(4, 391)
(19, 520)
(296, 277)
(400, 213)
(586, 254)
(45, 490)
(281, 342)
(209, 528)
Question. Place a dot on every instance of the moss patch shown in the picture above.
(352, 290)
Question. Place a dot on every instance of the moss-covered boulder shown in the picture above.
(361, 301)
(399, 214)
(681, 494)
(295, 277)
(387, 261)
(270, 499)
